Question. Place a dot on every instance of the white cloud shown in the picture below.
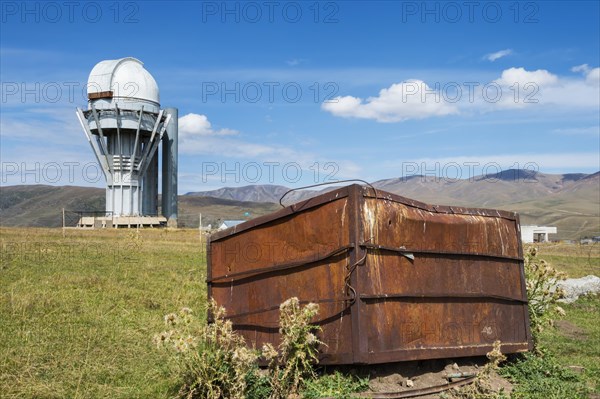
(498, 54)
(521, 88)
(540, 77)
(592, 75)
(193, 125)
(411, 99)
(542, 88)
(516, 88)
(585, 68)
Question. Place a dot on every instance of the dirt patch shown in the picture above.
(406, 376)
(570, 330)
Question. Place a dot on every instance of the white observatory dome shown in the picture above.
(123, 82)
(125, 127)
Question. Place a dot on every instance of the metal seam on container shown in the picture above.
(448, 296)
(436, 252)
(355, 236)
(284, 266)
(273, 308)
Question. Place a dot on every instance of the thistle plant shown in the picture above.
(293, 364)
(542, 292)
(213, 360)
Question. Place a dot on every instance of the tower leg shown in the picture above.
(169, 169)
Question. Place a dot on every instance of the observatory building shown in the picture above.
(125, 127)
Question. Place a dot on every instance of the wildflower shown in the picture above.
(560, 311)
(181, 345)
(217, 311)
(191, 341)
(495, 355)
(269, 352)
(311, 309)
(243, 355)
(171, 319)
(162, 338)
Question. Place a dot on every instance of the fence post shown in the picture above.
(63, 222)
(200, 226)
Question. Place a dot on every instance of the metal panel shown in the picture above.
(396, 279)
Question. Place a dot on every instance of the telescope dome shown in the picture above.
(124, 81)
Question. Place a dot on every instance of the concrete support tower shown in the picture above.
(124, 125)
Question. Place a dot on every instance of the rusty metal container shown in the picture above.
(395, 279)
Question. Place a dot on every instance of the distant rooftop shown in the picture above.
(230, 223)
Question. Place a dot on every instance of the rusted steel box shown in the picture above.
(395, 279)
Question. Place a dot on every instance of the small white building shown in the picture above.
(229, 223)
(536, 233)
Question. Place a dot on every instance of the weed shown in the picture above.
(214, 361)
(258, 385)
(298, 349)
(336, 385)
(481, 387)
(542, 294)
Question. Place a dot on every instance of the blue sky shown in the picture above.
(297, 93)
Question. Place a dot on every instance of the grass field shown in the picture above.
(576, 340)
(77, 313)
(576, 260)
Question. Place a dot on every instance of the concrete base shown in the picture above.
(103, 222)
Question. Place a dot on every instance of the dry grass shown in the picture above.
(574, 259)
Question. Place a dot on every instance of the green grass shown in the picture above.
(336, 385)
(78, 313)
(576, 340)
(543, 377)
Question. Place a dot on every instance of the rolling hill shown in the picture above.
(569, 201)
(41, 206)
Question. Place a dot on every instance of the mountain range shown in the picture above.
(571, 202)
